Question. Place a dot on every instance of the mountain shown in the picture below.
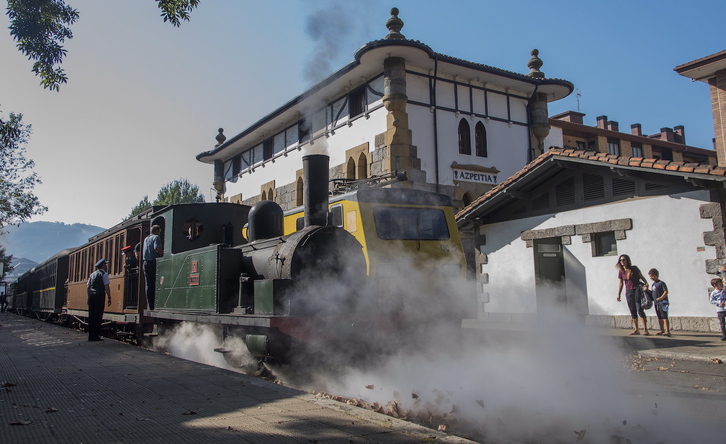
(38, 241)
(18, 266)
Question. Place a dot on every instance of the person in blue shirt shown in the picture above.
(153, 249)
(659, 290)
(718, 298)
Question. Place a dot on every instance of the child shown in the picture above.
(719, 300)
(660, 298)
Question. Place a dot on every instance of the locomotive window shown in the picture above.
(396, 223)
(192, 229)
(336, 214)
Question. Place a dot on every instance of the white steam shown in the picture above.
(549, 382)
(334, 27)
(197, 342)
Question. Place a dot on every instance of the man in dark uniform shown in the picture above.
(98, 287)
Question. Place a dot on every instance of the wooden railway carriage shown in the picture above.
(48, 282)
(126, 305)
(22, 294)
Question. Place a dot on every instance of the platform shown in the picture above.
(56, 387)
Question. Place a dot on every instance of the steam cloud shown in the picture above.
(332, 27)
(550, 382)
(554, 382)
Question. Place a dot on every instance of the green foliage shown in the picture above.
(180, 191)
(175, 10)
(17, 202)
(5, 260)
(141, 207)
(39, 27)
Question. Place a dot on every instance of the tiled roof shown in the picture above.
(604, 158)
(701, 61)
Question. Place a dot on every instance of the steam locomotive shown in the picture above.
(276, 292)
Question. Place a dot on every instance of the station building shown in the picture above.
(595, 194)
(399, 114)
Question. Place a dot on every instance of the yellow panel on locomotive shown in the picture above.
(400, 229)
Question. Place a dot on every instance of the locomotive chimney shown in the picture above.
(315, 189)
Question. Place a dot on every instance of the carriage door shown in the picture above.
(549, 269)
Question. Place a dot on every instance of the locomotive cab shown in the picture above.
(199, 271)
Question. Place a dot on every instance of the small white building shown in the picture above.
(548, 237)
(452, 126)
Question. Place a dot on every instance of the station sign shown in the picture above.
(475, 176)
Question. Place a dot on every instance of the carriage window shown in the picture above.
(396, 223)
(192, 229)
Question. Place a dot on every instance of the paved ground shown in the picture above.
(680, 345)
(55, 387)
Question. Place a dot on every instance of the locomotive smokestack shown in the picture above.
(315, 188)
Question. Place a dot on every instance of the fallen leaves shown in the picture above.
(580, 434)
(21, 422)
(716, 361)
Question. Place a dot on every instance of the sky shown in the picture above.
(144, 98)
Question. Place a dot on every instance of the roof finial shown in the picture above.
(220, 137)
(394, 24)
(534, 64)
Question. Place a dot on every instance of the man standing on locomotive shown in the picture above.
(98, 286)
(153, 248)
(131, 265)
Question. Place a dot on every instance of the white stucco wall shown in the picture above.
(283, 168)
(506, 145)
(667, 234)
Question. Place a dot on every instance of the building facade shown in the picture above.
(569, 131)
(400, 113)
(712, 70)
(566, 217)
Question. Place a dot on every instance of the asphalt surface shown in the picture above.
(56, 387)
(695, 346)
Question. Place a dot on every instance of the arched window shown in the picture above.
(362, 167)
(480, 139)
(263, 196)
(299, 192)
(467, 199)
(464, 137)
(350, 169)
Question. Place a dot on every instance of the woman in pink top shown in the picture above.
(631, 276)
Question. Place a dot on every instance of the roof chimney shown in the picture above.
(636, 129)
(613, 125)
(680, 134)
(667, 134)
(570, 116)
(602, 122)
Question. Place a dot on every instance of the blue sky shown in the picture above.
(145, 98)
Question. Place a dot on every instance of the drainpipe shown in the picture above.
(436, 126)
(530, 153)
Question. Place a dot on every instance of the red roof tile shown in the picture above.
(638, 162)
